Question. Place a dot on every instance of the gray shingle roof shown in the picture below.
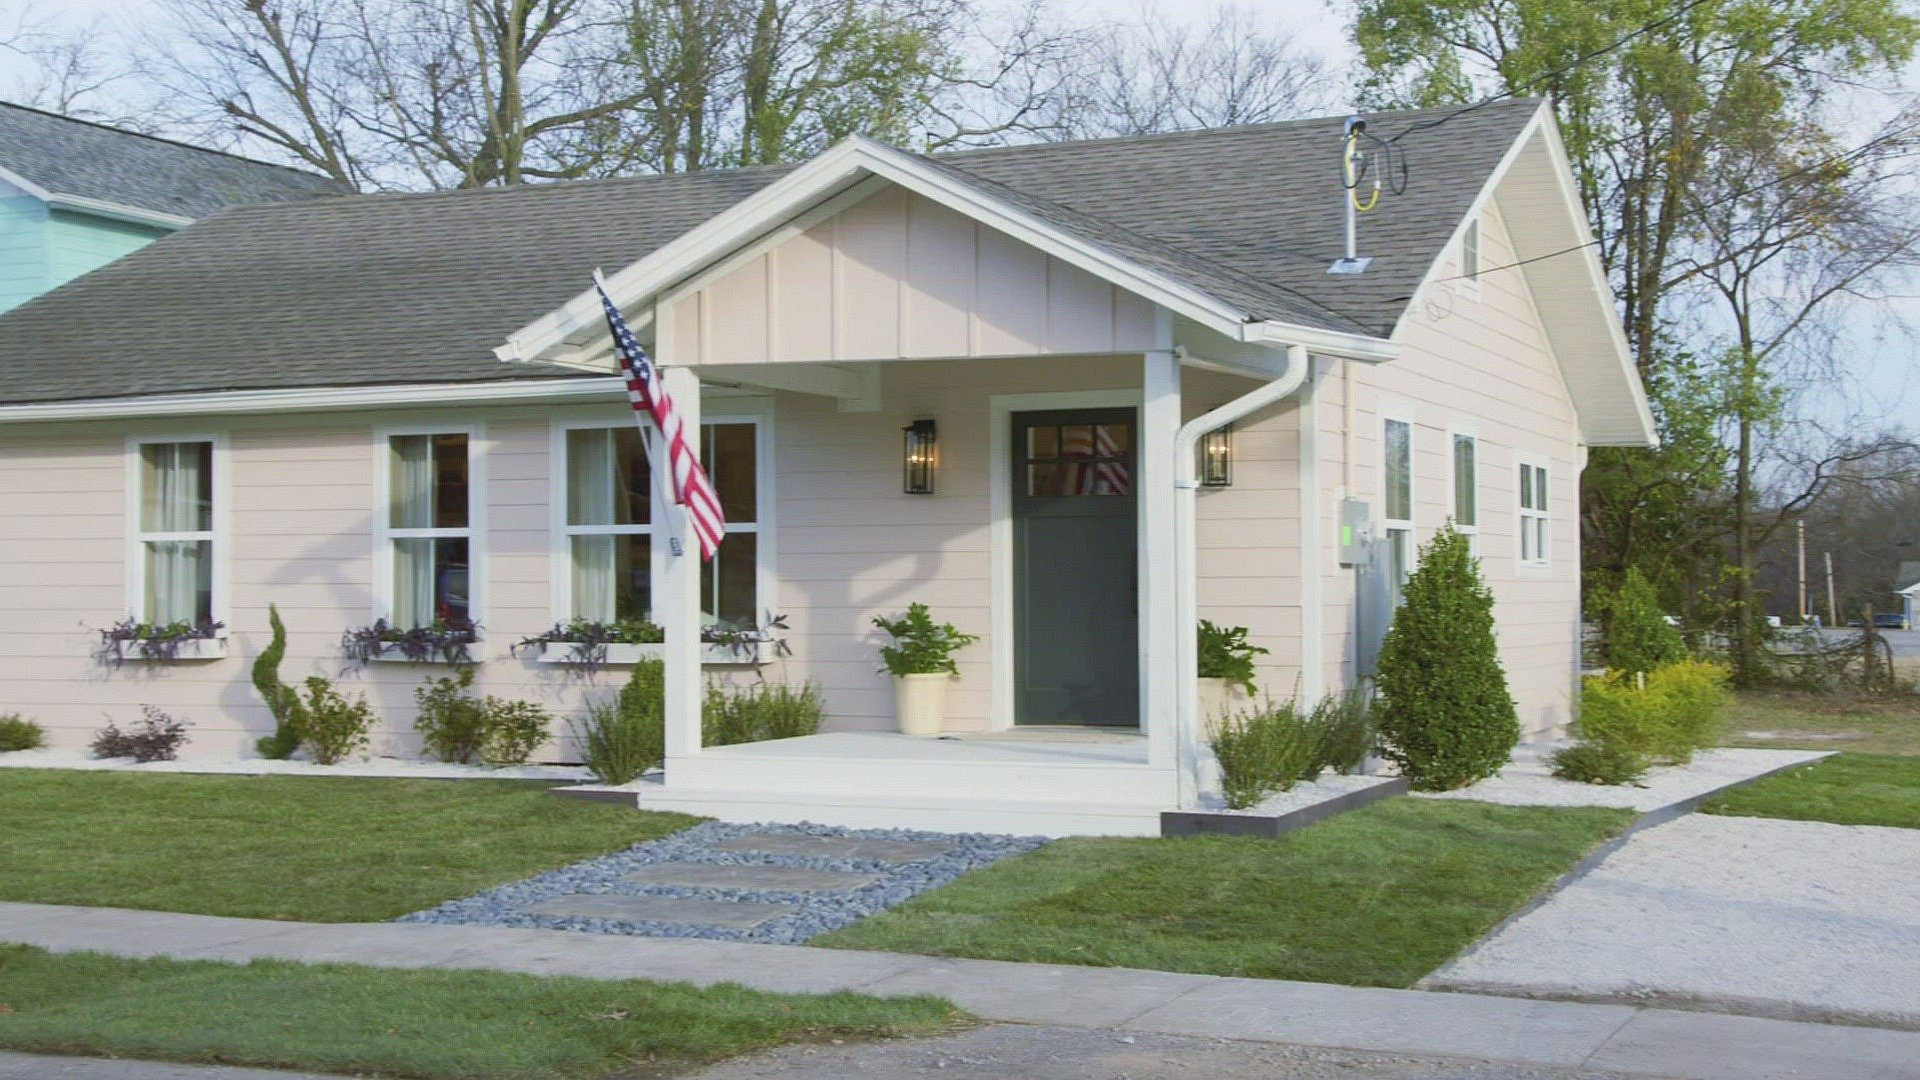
(1906, 577)
(420, 288)
(92, 161)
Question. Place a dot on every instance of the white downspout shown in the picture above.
(1186, 561)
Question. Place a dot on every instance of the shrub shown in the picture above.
(332, 726)
(1344, 730)
(19, 733)
(1444, 714)
(456, 726)
(1664, 715)
(623, 738)
(1225, 653)
(1598, 763)
(1263, 750)
(759, 712)
(157, 738)
(283, 701)
(919, 646)
(1635, 635)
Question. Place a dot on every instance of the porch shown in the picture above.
(1033, 781)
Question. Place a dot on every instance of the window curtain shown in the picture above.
(178, 572)
(590, 494)
(412, 508)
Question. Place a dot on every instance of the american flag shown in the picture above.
(689, 484)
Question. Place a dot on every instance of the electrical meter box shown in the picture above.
(1356, 530)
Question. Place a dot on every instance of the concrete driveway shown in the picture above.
(1789, 919)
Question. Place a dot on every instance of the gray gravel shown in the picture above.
(817, 913)
(1015, 1052)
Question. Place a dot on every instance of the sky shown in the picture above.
(1884, 367)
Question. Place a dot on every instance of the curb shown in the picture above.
(1202, 823)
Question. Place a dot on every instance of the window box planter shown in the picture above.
(622, 654)
(213, 648)
(390, 654)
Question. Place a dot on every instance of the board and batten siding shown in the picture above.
(1477, 361)
(898, 276)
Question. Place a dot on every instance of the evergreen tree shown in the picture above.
(1445, 716)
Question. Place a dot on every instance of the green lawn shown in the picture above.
(1851, 789)
(1378, 897)
(360, 1020)
(1875, 725)
(285, 847)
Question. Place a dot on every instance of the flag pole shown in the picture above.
(662, 494)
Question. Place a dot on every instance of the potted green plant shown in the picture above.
(1226, 668)
(921, 663)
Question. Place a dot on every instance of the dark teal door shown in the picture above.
(1076, 625)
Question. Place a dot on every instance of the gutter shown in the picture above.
(1190, 753)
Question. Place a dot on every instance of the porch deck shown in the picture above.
(1046, 781)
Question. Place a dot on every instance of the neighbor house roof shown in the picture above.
(94, 166)
(1908, 577)
(387, 289)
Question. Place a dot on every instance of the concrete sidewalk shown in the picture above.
(1619, 1037)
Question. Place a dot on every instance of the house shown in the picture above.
(1906, 585)
(401, 406)
(75, 195)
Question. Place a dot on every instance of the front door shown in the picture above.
(1076, 627)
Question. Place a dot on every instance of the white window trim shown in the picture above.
(1464, 429)
(221, 534)
(1544, 560)
(1471, 270)
(1403, 412)
(475, 532)
(758, 412)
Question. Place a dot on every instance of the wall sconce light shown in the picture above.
(922, 454)
(1216, 457)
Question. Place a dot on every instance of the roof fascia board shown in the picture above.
(315, 398)
(1359, 347)
(1602, 290)
(100, 207)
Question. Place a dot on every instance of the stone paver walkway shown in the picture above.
(1549, 1033)
(778, 884)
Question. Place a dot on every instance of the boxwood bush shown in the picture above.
(19, 733)
(1444, 714)
(1664, 715)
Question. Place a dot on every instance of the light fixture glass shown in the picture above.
(922, 454)
(1216, 457)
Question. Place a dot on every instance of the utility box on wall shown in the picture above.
(1356, 526)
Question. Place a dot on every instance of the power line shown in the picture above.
(1697, 210)
(1671, 17)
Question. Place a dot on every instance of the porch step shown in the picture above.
(1021, 818)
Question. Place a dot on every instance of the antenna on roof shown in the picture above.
(1353, 167)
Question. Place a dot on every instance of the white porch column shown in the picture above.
(1159, 607)
(677, 608)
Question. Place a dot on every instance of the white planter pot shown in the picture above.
(1219, 698)
(920, 702)
(190, 649)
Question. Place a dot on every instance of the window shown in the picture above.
(1470, 253)
(1398, 502)
(1533, 514)
(1466, 497)
(608, 526)
(175, 545)
(428, 530)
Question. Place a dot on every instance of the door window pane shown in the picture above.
(1078, 459)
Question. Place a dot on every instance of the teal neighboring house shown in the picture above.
(76, 195)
